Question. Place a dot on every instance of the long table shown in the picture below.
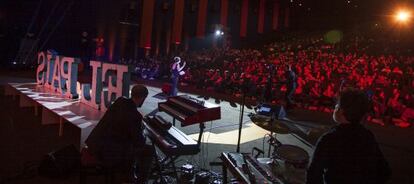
(55, 108)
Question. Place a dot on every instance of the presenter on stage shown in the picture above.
(118, 141)
(176, 71)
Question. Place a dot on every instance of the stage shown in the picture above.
(55, 109)
(26, 139)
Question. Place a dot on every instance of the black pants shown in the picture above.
(143, 163)
(174, 86)
(289, 95)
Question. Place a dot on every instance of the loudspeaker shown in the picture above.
(279, 112)
(60, 163)
(165, 6)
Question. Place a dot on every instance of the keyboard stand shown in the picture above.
(166, 164)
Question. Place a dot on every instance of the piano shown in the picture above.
(172, 142)
(189, 110)
(169, 139)
(247, 169)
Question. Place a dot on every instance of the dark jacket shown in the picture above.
(118, 133)
(348, 154)
(291, 79)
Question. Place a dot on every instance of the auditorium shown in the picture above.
(206, 92)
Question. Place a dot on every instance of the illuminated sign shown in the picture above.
(60, 75)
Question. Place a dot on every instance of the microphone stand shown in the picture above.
(241, 121)
(244, 91)
(271, 135)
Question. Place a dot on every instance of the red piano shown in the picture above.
(189, 110)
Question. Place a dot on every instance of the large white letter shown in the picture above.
(40, 73)
(118, 85)
(49, 73)
(56, 86)
(69, 76)
(92, 96)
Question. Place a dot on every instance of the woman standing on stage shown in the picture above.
(176, 71)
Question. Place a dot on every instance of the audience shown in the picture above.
(320, 68)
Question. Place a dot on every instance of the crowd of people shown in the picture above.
(145, 68)
(320, 69)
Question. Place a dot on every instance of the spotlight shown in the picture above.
(403, 16)
(218, 33)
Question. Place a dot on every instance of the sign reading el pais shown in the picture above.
(60, 74)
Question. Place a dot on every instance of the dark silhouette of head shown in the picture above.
(352, 106)
(138, 94)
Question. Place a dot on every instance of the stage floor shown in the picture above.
(224, 132)
(24, 140)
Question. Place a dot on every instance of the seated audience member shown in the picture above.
(348, 153)
(315, 63)
(408, 108)
(118, 142)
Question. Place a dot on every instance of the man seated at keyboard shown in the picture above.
(118, 142)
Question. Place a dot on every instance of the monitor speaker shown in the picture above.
(277, 111)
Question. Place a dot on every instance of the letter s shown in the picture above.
(41, 60)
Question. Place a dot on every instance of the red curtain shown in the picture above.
(158, 35)
(201, 22)
(224, 12)
(146, 29)
(275, 21)
(243, 21)
(178, 21)
(287, 15)
(260, 22)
